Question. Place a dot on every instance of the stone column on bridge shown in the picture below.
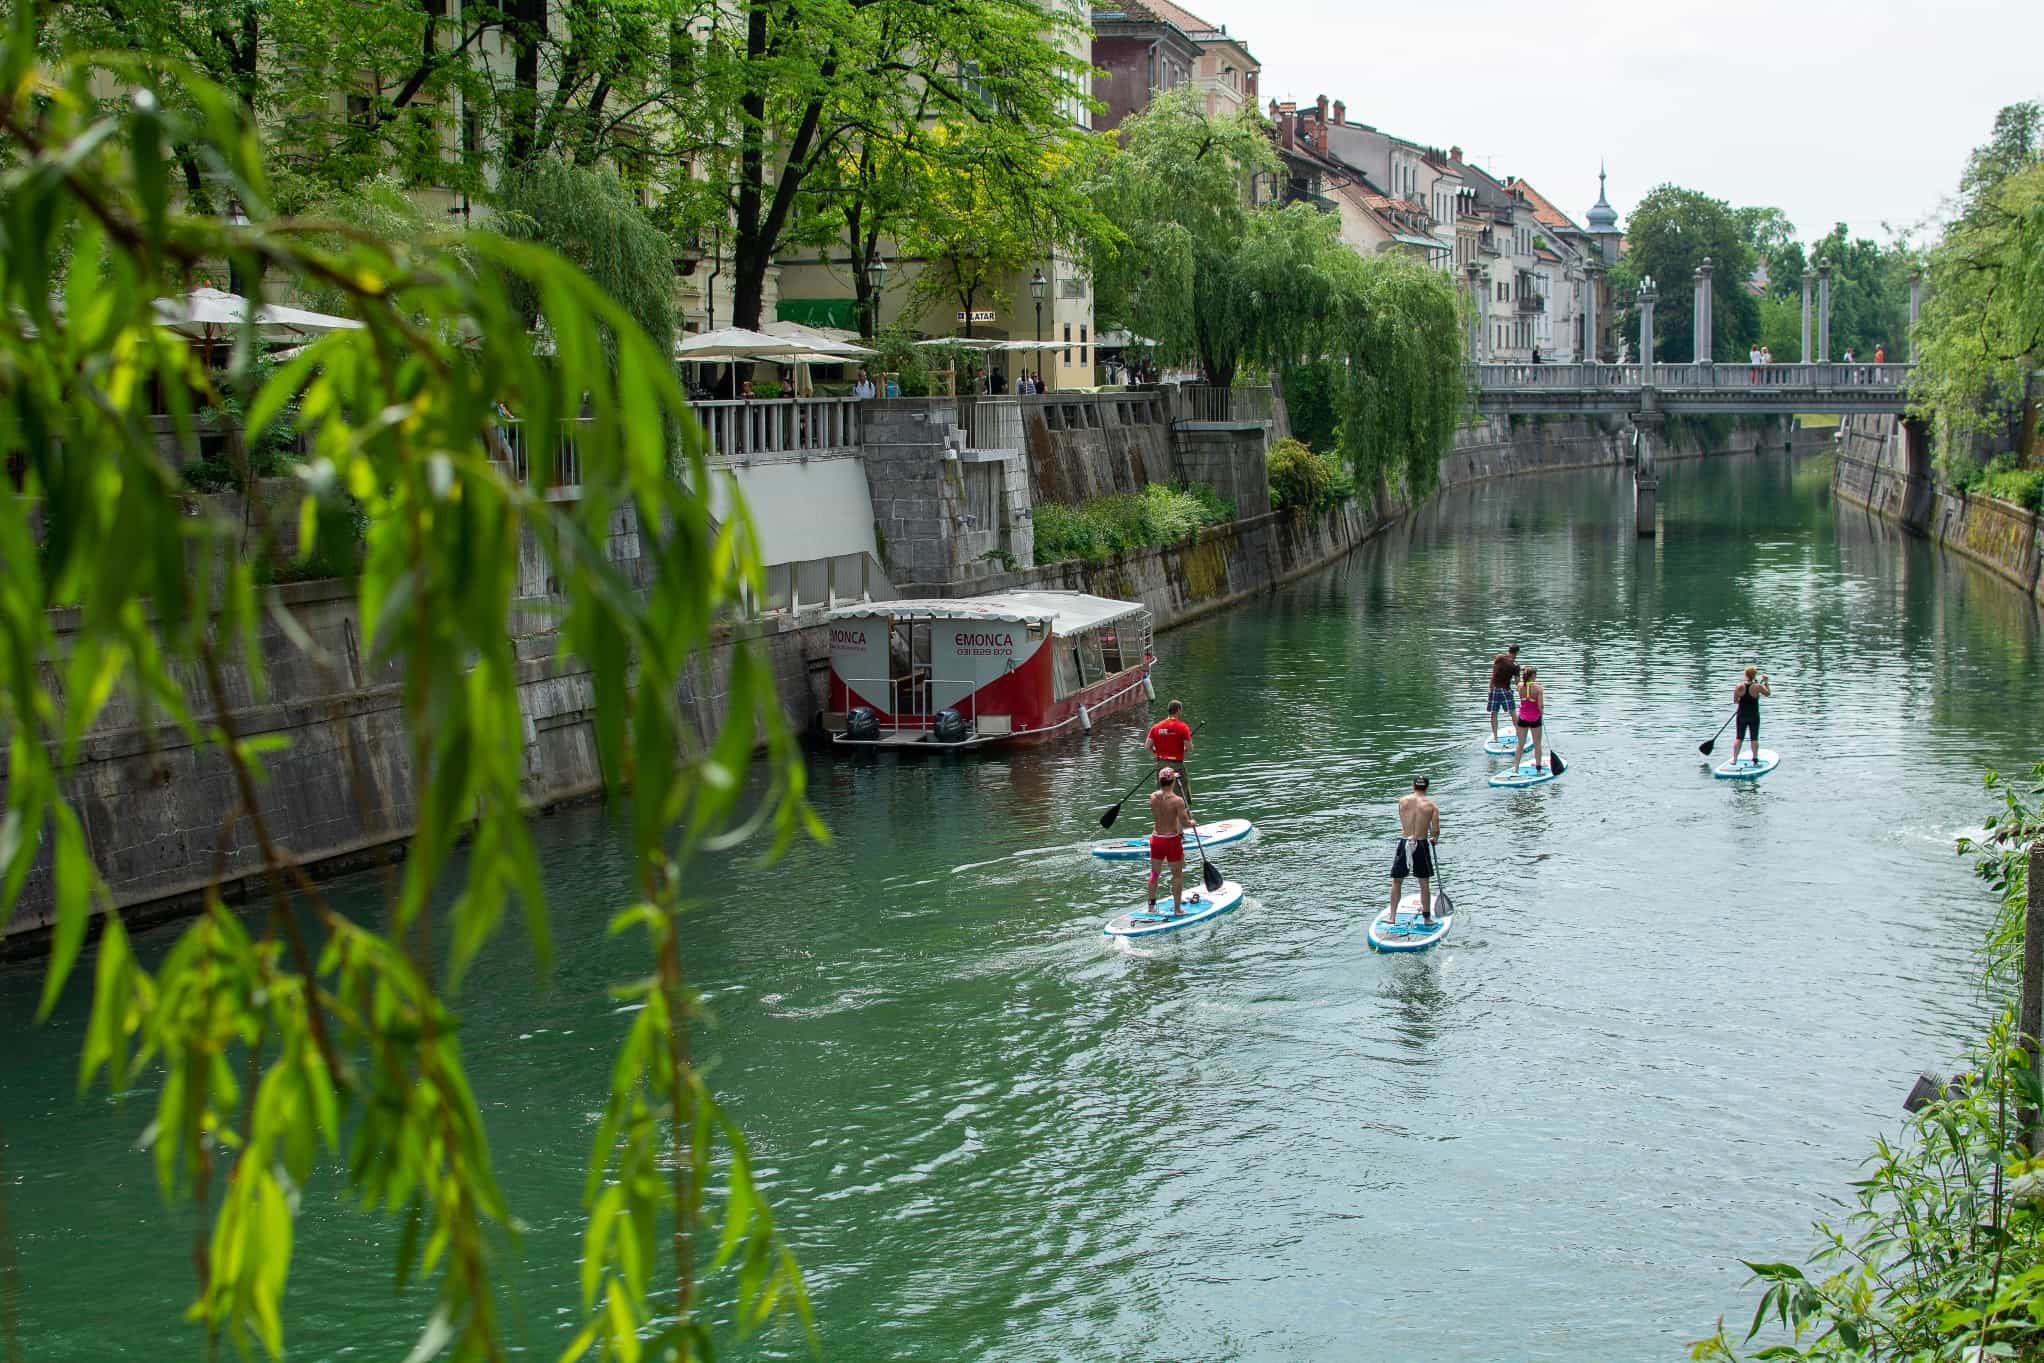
(1646, 468)
(1808, 277)
(1700, 350)
(1592, 352)
(1647, 298)
(1479, 314)
(1824, 311)
(1915, 311)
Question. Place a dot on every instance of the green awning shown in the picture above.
(1430, 243)
(819, 312)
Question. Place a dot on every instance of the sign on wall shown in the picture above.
(980, 315)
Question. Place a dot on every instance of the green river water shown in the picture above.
(1673, 1014)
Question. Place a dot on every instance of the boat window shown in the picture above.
(1067, 678)
(1110, 649)
(1090, 668)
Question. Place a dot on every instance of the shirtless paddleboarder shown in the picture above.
(1419, 824)
(1170, 817)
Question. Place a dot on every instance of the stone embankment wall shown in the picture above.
(341, 794)
(1883, 468)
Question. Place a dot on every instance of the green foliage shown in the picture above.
(1869, 293)
(593, 220)
(1403, 336)
(1158, 515)
(1781, 327)
(2004, 478)
(1299, 476)
(1982, 331)
(1667, 237)
(1942, 1254)
(265, 1046)
(1312, 392)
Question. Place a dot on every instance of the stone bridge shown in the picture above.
(1647, 394)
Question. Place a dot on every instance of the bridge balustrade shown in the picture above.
(1722, 376)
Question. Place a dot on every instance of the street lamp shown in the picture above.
(876, 279)
(1038, 287)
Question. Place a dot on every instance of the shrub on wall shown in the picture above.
(1159, 514)
(1299, 477)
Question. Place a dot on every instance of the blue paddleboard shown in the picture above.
(1199, 907)
(1524, 775)
(1501, 747)
(1746, 769)
(1209, 836)
(1407, 931)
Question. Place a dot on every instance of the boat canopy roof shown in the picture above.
(1065, 612)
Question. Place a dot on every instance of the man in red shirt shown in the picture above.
(1171, 741)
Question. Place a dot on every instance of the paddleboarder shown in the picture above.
(1504, 675)
(1746, 695)
(1171, 740)
(1170, 817)
(1528, 721)
(1419, 823)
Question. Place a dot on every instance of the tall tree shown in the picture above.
(1667, 237)
(1982, 333)
(785, 89)
(1869, 292)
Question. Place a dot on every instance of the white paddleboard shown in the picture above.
(1746, 769)
(1217, 833)
(1199, 907)
(1407, 930)
(1501, 747)
(1524, 775)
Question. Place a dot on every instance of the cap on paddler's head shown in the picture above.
(1167, 776)
(1419, 783)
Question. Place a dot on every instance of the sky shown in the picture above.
(1862, 113)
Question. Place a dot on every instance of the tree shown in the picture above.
(589, 217)
(268, 1041)
(1667, 237)
(782, 96)
(1177, 196)
(1982, 332)
(1869, 293)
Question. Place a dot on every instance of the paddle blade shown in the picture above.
(1705, 746)
(1554, 762)
(1212, 875)
(1443, 906)
(1113, 813)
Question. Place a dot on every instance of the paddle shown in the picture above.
(1443, 906)
(1554, 762)
(1208, 872)
(1113, 811)
(1711, 742)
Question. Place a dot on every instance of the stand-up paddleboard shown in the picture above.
(1746, 769)
(1407, 931)
(1199, 906)
(1501, 747)
(1525, 774)
(1217, 833)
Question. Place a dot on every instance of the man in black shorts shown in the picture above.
(1419, 823)
(1504, 671)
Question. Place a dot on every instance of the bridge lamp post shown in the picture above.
(1823, 312)
(1915, 310)
(1808, 277)
(1646, 299)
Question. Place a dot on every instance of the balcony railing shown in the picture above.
(1725, 375)
(1243, 403)
(1532, 303)
(564, 481)
(991, 423)
(775, 426)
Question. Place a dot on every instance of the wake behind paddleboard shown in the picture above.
(1524, 775)
(1407, 931)
(1218, 833)
(1199, 906)
(1746, 769)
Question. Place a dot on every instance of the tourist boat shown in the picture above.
(1017, 667)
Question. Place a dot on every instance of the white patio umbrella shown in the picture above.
(735, 345)
(824, 340)
(206, 314)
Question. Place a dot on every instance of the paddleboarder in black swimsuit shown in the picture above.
(1746, 695)
(1419, 824)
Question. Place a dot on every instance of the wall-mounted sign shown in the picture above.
(980, 315)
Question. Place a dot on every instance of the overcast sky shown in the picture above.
(1860, 112)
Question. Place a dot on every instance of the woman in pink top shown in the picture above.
(1532, 697)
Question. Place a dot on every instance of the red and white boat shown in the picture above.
(1017, 667)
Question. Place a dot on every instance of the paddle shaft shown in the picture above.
(1113, 811)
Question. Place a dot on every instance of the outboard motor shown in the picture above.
(862, 725)
(950, 727)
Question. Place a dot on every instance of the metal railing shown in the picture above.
(820, 582)
(564, 482)
(1205, 402)
(991, 423)
(1721, 376)
(768, 426)
(1532, 302)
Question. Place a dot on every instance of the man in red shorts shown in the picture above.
(1170, 816)
(1171, 740)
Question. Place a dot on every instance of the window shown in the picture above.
(1091, 668)
(1068, 343)
(1110, 650)
(1066, 681)
(1084, 359)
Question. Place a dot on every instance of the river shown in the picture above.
(1672, 1017)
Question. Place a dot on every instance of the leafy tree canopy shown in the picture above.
(1667, 237)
